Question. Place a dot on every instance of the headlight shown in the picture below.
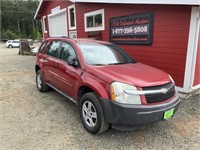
(118, 94)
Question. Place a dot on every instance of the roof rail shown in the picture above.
(63, 37)
(59, 37)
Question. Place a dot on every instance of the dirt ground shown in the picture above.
(30, 120)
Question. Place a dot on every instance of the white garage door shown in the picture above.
(58, 24)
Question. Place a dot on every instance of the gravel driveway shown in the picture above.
(30, 120)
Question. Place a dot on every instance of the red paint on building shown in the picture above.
(197, 67)
(170, 34)
(171, 26)
(49, 6)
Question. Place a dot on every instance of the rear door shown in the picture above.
(51, 62)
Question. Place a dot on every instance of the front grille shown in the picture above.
(154, 98)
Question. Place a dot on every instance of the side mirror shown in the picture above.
(72, 61)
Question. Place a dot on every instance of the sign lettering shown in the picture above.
(132, 29)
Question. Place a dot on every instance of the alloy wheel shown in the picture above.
(89, 113)
(39, 81)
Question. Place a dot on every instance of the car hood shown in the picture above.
(137, 74)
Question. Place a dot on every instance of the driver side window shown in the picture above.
(53, 49)
(66, 51)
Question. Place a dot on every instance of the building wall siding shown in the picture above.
(52, 4)
(197, 68)
(170, 34)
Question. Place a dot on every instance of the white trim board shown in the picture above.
(69, 18)
(44, 24)
(191, 50)
(180, 89)
(197, 39)
(36, 13)
(165, 2)
(92, 13)
(196, 87)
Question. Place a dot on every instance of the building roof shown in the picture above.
(165, 2)
(42, 3)
(161, 2)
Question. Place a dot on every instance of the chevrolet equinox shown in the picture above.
(109, 87)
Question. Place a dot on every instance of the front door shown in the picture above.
(67, 73)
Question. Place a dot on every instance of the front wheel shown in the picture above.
(91, 114)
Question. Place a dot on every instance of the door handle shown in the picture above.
(43, 59)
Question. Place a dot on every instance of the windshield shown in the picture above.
(101, 54)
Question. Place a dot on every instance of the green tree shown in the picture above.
(18, 16)
(8, 34)
(36, 34)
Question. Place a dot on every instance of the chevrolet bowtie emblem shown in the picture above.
(164, 90)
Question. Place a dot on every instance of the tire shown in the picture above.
(91, 114)
(41, 86)
(10, 46)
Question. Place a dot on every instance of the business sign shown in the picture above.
(134, 29)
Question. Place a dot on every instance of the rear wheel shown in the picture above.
(41, 86)
(91, 114)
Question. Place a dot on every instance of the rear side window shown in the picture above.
(53, 49)
(42, 46)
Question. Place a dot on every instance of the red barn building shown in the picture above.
(164, 34)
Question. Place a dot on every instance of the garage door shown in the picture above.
(58, 24)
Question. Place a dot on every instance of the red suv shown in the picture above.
(108, 86)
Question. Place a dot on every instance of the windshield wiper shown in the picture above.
(116, 63)
(107, 64)
(98, 64)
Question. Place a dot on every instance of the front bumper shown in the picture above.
(127, 116)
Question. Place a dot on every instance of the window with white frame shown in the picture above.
(72, 17)
(94, 21)
(44, 24)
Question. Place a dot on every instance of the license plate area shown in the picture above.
(168, 114)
